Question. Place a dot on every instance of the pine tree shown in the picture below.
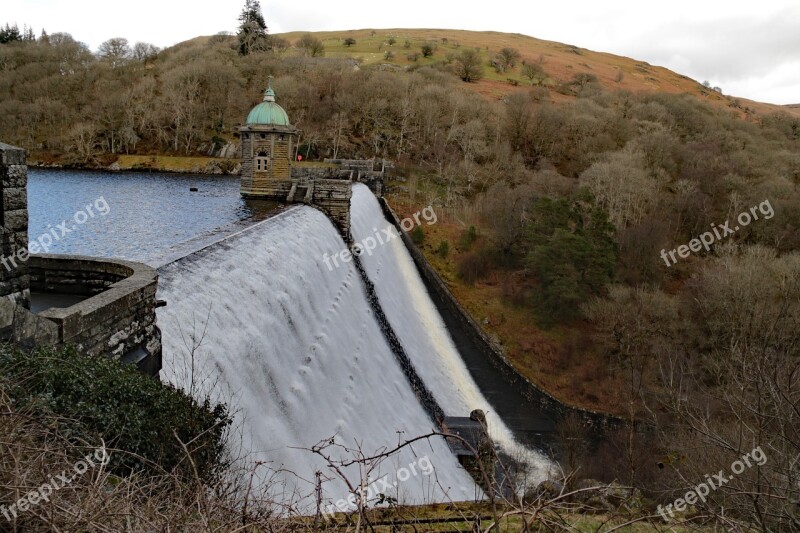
(253, 34)
(10, 34)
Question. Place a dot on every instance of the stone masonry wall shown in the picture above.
(65, 276)
(333, 197)
(14, 279)
(117, 321)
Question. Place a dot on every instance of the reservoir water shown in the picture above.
(150, 216)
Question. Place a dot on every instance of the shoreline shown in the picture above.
(209, 166)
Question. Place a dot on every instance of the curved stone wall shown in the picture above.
(117, 319)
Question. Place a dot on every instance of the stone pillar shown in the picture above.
(14, 277)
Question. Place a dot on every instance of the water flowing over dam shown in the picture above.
(290, 341)
(420, 327)
(294, 347)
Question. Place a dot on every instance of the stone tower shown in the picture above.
(268, 145)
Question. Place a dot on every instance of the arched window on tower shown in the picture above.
(262, 162)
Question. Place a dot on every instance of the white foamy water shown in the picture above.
(420, 328)
(296, 350)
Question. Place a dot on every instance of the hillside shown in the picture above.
(560, 61)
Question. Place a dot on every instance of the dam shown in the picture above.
(319, 365)
(295, 348)
(255, 318)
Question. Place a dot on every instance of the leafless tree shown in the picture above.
(115, 51)
(468, 65)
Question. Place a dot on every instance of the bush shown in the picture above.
(349, 41)
(391, 41)
(443, 250)
(467, 239)
(534, 73)
(468, 65)
(125, 408)
(311, 45)
(388, 56)
(427, 50)
(417, 235)
(474, 266)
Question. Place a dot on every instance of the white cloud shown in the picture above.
(750, 49)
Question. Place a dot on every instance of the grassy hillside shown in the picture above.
(559, 60)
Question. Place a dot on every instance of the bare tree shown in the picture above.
(115, 51)
(468, 65)
(508, 57)
(311, 46)
(144, 52)
(534, 72)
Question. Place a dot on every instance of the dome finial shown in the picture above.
(269, 94)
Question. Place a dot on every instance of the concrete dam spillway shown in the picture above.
(417, 322)
(295, 349)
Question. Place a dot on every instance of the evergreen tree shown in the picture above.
(573, 254)
(253, 34)
(10, 34)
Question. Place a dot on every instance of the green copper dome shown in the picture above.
(268, 113)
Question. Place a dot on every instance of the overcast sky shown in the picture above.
(750, 49)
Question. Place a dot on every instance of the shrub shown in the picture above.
(468, 65)
(349, 41)
(427, 50)
(391, 41)
(407, 44)
(467, 239)
(474, 266)
(417, 235)
(388, 56)
(534, 72)
(311, 45)
(127, 409)
(510, 56)
(443, 250)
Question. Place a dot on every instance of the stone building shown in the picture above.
(269, 145)
(269, 142)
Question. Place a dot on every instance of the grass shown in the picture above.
(597, 523)
(560, 61)
(166, 163)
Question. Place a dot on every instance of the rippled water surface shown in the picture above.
(148, 216)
